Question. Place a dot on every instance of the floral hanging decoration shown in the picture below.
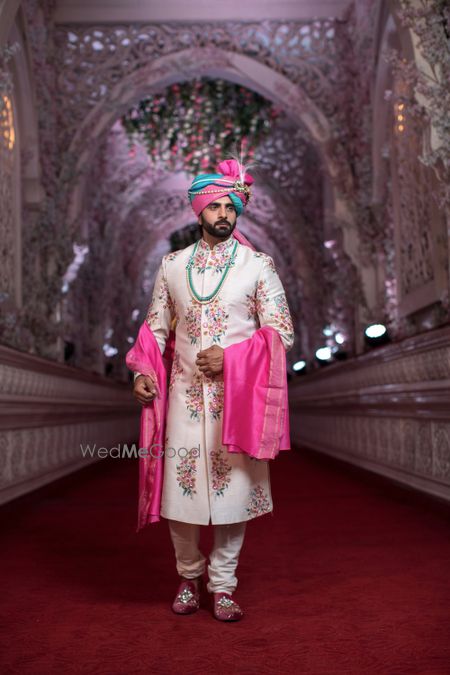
(200, 122)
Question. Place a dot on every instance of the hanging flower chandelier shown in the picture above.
(199, 123)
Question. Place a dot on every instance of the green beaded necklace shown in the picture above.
(204, 299)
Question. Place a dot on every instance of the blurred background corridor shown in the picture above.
(108, 109)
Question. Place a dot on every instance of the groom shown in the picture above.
(233, 327)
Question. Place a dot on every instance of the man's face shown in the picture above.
(219, 218)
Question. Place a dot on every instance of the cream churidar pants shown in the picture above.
(223, 559)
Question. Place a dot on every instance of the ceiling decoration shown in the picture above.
(200, 122)
(96, 59)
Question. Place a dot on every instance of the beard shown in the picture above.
(221, 230)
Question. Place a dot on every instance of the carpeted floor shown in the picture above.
(350, 575)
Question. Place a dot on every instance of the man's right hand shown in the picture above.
(145, 389)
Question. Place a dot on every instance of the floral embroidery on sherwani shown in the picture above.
(151, 315)
(160, 300)
(216, 320)
(193, 320)
(258, 503)
(220, 469)
(177, 369)
(267, 258)
(213, 259)
(219, 259)
(215, 398)
(186, 474)
(262, 296)
(281, 315)
(252, 312)
(201, 259)
(171, 256)
(194, 397)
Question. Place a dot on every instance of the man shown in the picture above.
(218, 291)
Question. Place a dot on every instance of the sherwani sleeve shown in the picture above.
(161, 311)
(271, 304)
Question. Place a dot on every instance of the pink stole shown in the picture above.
(255, 412)
(145, 357)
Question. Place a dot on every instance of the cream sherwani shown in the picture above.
(204, 483)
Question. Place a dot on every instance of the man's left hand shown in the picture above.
(210, 361)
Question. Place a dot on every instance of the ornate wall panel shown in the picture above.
(9, 191)
(387, 411)
(47, 411)
(422, 272)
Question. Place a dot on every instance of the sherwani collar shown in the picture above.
(221, 247)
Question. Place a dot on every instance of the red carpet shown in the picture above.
(350, 575)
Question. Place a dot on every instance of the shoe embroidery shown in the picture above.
(226, 602)
(185, 596)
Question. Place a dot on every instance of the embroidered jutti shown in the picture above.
(203, 482)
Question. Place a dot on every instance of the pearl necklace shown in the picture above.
(204, 299)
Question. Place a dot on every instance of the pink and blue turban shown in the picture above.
(229, 181)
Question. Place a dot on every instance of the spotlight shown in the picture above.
(109, 350)
(376, 334)
(298, 366)
(324, 354)
(375, 330)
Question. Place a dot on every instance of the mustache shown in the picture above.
(222, 222)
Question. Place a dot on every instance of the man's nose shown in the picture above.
(222, 211)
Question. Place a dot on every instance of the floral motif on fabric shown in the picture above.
(160, 300)
(177, 369)
(193, 320)
(194, 397)
(171, 256)
(186, 474)
(259, 502)
(213, 259)
(268, 260)
(215, 398)
(250, 302)
(201, 259)
(220, 469)
(281, 315)
(261, 296)
(152, 315)
(216, 320)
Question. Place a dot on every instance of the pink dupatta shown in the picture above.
(255, 411)
(145, 357)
